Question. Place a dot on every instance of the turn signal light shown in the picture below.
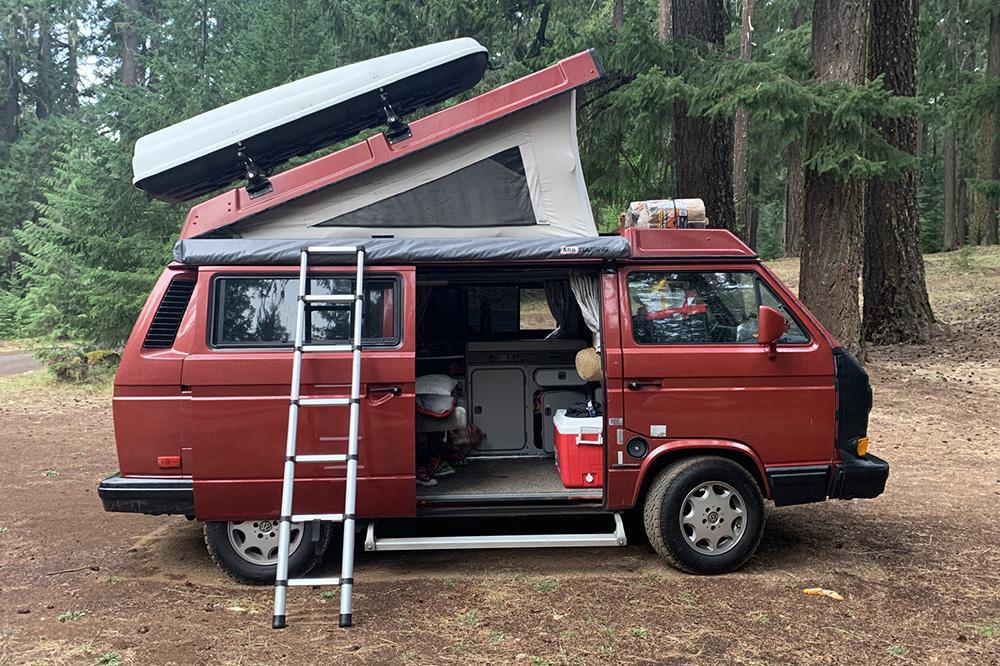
(862, 447)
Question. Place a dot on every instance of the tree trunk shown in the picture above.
(741, 135)
(896, 307)
(12, 101)
(45, 68)
(618, 16)
(984, 214)
(664, 25)
(794, 174)
(964, 201)
(130, 44)
(954, 228)
(831, 229)
(72, 60)
(954, 224)
(794, 187)
(754, 208)
(704, 146)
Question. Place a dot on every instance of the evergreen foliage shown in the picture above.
(80, 247)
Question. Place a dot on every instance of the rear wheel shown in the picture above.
(704, 515)
(248, 550)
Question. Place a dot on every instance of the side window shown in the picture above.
(260, 312)
(687, 307)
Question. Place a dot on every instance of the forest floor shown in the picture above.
(919, 567)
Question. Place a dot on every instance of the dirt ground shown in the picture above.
(919, 567)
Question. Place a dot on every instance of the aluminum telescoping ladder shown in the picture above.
(305, 300)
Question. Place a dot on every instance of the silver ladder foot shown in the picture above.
(306, 302)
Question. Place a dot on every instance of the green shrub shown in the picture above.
(77, 364)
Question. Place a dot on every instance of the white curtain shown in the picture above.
(587, 290)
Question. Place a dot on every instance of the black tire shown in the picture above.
(301, 560)
(669, 492)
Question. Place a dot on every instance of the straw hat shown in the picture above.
(588, 364)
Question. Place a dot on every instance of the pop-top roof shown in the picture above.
(503, 163)
(200, 154)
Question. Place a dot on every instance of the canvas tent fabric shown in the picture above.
(517, 177)
(199, 154)
(276, 252)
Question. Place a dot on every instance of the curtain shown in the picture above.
(423, 301)
(587, 290)
(564, 310)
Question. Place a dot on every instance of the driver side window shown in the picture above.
(687, 307)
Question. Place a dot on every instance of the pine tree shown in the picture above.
(984, 217)
(831, 239)
(704, 145)
(896, 307)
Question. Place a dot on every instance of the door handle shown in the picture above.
(635, 386)
(395, 390)
(379, 395)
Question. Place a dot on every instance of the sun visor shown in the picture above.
(257, 133)
(518, 176)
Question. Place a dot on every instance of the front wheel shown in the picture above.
(704, 515)
(248, 550)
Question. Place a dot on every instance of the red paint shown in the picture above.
(685, 244)
(236, 415)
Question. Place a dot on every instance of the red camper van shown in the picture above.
(711, 388)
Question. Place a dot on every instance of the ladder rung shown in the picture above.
(324, 402)
(308, 517)
(329, 298)
(327, 348)
(332, 249)
(312, 582)
(321, 457)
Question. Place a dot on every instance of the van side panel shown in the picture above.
(237, 417)
(619, 474)
(147, 393)
(781, 410)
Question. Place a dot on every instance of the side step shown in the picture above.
(616, 538)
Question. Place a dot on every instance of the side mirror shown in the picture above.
(770, 327)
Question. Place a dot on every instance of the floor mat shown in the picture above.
(512, 476)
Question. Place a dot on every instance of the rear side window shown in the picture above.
(688, 307)
(260, 312)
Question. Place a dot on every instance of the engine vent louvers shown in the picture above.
(168, 315)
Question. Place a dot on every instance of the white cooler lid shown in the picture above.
(568, 425)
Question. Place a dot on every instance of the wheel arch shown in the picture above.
(668, 453)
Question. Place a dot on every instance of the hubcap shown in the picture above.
(713, 518)
(256, 541)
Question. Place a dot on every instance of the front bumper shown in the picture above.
(856, 477)
(150, 495)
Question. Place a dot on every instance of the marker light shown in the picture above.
(862, 447)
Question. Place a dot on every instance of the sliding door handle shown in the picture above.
(635, 386)
(395, 390)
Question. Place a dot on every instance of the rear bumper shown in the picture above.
(154, 496)
(859, 477)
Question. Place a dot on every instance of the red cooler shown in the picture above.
(579, 450)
